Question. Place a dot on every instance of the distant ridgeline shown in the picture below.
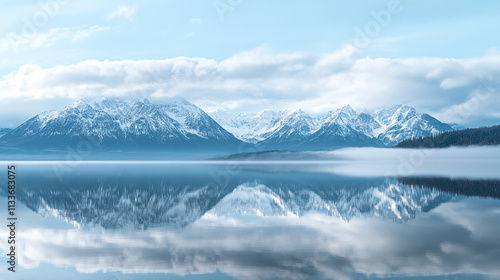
(466, 137)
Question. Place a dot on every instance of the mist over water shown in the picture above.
(456, 162)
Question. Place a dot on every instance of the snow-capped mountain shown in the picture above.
(116, 122)
(343, 127)
(113, 207)
(248, 127)
(292, 129)
(403, 122)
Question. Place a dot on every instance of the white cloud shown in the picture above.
(85, 33)
(260, 79)
(126, 12)
(19, 42)
(196, 20)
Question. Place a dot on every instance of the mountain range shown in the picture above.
(343, 127)
(116, 123)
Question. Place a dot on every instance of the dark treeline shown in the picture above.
(466, 137)
(481, 188)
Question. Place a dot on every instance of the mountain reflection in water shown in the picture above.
(137, 221)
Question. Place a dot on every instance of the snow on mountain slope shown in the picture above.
(292, 129)
(344, 116)
(367, 124)
(341, 127)
(249, 127)
(269, 128)
(403, 122)
(117, 121)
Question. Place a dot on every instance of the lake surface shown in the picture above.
(234, 220)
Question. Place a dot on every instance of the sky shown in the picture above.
(441, 57)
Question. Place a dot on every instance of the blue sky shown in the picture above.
(166, 29)
(63, 33)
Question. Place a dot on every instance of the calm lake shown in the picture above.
(234, 220)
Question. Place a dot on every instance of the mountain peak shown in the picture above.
(347, 108)
(344, 116)
(405, 108)
(399, 107)
(297, 112)
(125, 122)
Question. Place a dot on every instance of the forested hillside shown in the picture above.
(466, 137)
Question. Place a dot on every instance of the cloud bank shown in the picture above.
(454, 90)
